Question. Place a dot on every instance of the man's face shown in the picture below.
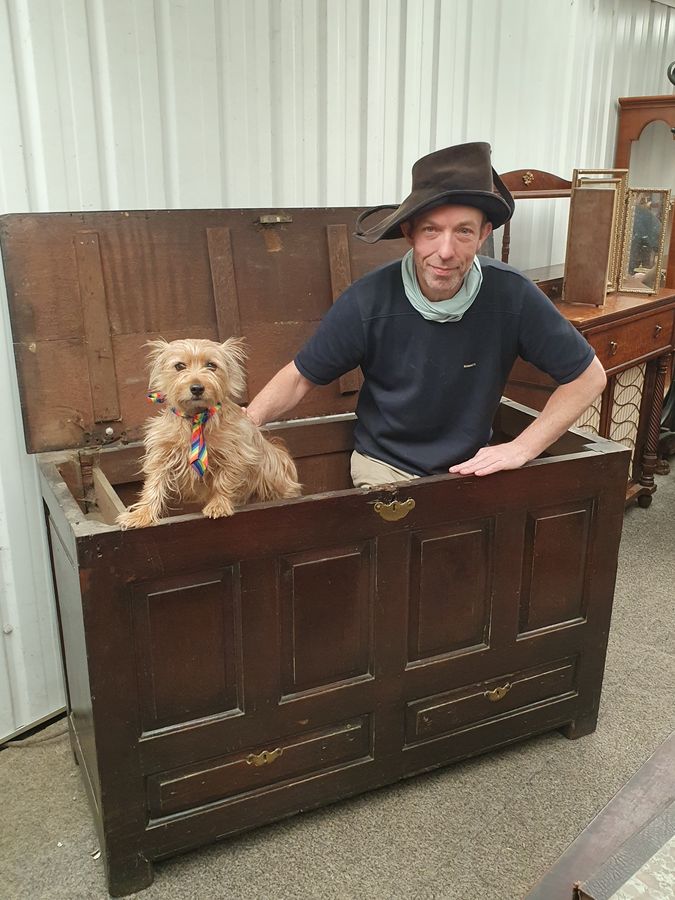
(444, 242)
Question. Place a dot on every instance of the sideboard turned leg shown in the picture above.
(650, 456)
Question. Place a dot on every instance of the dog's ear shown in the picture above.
(235, 347)
(233, 356)
(156, 349)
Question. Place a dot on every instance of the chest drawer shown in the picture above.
(628, 342)
(240, 773)
(477, 705)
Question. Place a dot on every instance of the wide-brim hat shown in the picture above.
(461, 175)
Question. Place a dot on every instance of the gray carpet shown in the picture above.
(487, 828)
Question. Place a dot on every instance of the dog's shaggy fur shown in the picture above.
(242, 464)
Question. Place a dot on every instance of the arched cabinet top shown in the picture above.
(635, 113)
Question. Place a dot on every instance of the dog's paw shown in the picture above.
(136, 518)
(218, 508)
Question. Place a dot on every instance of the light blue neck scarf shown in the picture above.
(450, 310)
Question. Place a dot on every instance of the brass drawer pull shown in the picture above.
(613, 347)
(657, 330)
(392, 512)
(498, 693)
(264, 758)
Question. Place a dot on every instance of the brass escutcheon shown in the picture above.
(499, 692)
(397, 509)
(613, 347)
(264, 758)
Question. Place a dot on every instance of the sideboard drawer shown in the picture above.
(627, 342)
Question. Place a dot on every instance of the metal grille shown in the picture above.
(628, 390)
(590, 420)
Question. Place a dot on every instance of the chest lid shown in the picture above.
(87, 290)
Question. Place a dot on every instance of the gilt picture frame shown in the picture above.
(647, 213)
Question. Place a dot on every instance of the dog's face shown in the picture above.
(196, 374)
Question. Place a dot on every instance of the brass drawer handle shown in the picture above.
(613, 347)
(392, 512)
(498, 693)
(264, 758)
(657, 330)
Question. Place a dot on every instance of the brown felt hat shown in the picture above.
(462, 175)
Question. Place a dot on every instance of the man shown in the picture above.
(436, 335)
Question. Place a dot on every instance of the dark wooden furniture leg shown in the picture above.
(650, 457)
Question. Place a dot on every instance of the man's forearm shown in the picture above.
(562, 410)
(279, 395)
(564, 407)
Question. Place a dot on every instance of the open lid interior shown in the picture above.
(87, 290)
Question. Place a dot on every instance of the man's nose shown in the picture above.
(446, 246)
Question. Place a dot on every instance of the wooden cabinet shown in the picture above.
(225, 673)
(633, 337)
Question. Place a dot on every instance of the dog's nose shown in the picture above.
(196, 390)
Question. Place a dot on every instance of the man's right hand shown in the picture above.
(279, 396)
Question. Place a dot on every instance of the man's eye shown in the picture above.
(212, 366)
(180, 366)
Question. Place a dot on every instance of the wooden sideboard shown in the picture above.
(633, 338)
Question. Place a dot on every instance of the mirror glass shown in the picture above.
(646, 219)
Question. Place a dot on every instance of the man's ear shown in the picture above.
(485, 233)
(406, 228)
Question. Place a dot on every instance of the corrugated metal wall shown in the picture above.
(134, 103)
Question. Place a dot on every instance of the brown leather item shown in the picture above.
(589, 241)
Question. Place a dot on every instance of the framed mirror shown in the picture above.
(647, 214)
(636, 115)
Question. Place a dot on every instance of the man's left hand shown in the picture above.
(492, 459)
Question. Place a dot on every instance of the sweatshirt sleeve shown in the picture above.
(548, 341)
(338, 344)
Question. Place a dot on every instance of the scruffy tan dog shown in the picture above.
(202, 446)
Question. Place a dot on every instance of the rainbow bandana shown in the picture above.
(199, 455)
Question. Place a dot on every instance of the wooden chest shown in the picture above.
(226, 673)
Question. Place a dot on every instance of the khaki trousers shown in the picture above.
(369, 472)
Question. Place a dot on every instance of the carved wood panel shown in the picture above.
(450, 589)
(554, 565)
(187, 635)
(326, 608)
